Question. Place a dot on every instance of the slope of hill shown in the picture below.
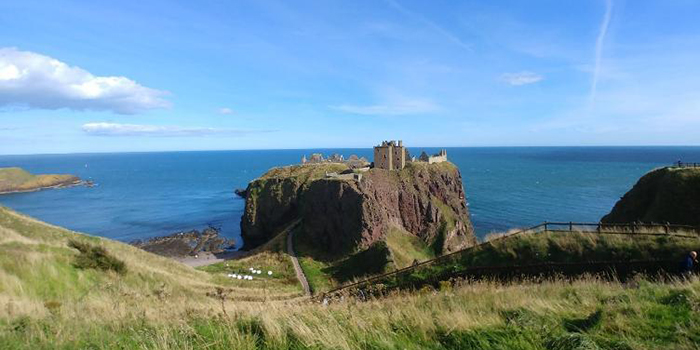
(19, 180)
(666, 195)
(48, 303)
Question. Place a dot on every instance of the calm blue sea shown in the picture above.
(140, 195)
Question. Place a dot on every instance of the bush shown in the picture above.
(95, 257)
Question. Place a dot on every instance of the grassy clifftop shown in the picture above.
(19, 180)
(666, 195)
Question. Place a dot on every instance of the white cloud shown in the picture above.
(37, 81)
(406, 107)
(225, 110)
(521, 78)
(115, 129)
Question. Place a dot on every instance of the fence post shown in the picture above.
(571, 226)
(545, 226)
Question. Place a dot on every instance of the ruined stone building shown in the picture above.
(390, 155)
(435, 158)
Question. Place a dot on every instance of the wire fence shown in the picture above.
(628, 229)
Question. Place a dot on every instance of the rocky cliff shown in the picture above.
(666, 195)
(341, 216)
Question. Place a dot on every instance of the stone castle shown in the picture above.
(389, 155)
(392, 155)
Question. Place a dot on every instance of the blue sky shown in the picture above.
(97, 76)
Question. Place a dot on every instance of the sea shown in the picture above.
(142, 195)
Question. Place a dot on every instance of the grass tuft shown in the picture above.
(95, 257)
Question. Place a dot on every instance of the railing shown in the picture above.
(680, 164)
(636, 229)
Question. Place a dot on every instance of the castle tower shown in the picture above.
(390, 155)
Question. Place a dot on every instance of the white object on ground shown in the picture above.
(269, 273)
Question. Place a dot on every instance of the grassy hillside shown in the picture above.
(48, 303)
(665, 195)
(272, 256)
(19, 180)
(537, 248)
(406, 248)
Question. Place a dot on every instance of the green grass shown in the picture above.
(406, 248)
(314, 268)
(18, 180)
(586, 314)
(549, 247)
(270, 257)
(306, 172)
(47, 303)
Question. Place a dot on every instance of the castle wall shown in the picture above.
(437, 159)
(382, 157)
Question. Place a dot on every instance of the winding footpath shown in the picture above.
(297, 268)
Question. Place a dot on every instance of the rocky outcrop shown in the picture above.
(666, 195)
(341, 216)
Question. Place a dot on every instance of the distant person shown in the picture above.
(689, 264)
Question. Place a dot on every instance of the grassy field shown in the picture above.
(19, 180)
(272, 256)
(46, 302)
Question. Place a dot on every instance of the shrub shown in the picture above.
(95, 257)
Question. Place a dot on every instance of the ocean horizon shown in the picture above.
(139, 195)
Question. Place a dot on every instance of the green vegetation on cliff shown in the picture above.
(19, 180)
(48, 303)
(665, 195)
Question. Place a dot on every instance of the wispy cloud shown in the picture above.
(430, 24)
(407, 107)
(225, 110)
(600, 41)
(521, 78)
(37, 81)
(115, 129)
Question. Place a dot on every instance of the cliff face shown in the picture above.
(342, 216)
(666, 195)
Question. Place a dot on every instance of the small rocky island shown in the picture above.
(346, 209)
(19, 180)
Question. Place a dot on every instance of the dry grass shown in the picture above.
(45, 303)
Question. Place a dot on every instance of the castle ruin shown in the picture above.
(390, 155)
(435, 158)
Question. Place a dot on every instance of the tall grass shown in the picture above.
(585, 314)
(47, 303)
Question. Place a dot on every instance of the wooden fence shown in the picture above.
(636, 229)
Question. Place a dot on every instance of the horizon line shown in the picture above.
(335, 148)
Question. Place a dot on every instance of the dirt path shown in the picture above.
(297, 268)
